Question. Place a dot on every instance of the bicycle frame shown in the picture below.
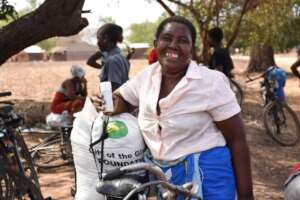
(267, 85)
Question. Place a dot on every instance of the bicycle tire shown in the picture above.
(291, 136)
(27, 162)
(17, 186)
(50, 155)
(239, 94)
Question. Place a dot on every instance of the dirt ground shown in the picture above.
(33, 85)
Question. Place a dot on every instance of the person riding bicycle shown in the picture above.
(295, 65)
(220, 58)
(189, 117)
(277, 76)
(115, 67)
(71, 94)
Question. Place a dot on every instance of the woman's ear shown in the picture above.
(155, 43)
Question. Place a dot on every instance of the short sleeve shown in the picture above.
(130, 90)
(114, 71)
(223, 104)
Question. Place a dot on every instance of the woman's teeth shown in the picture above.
(172, 55)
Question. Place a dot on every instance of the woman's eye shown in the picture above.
(166, 38)
(183, 40)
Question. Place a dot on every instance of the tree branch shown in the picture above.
(52, 18)
(167, 8)
(247, 6)
(191, 8)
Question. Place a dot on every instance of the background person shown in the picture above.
(115, 67)
(220, 58)
(189, 117)
(152, 56)
(292, 184)
(295, 65)
(71, 94)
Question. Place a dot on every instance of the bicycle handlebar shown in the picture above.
(154, 170)
(5, 94)
(118, 172)
(165, 184)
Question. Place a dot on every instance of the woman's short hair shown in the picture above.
(181, 20)
(112, 31)
(216, 34)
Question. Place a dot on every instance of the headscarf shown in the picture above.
(77, 71)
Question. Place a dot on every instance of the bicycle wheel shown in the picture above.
(236, 88)
(26, 160)
(16, 186)
(281, 123)
(48, 154)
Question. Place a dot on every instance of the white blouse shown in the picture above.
(188, 113)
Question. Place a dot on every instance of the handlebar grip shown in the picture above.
(4, 94)
(113, 174)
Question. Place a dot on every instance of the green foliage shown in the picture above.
(275, 22)
(7, 11)
(144, 32)
(47, 44)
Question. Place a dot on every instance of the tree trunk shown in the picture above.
(52, 18)
(261, 57)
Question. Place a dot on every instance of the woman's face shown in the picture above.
(174, 47)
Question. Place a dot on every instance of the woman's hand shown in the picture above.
(120, 105)
(99, 103)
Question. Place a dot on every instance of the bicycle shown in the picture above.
(117, 184)
(279, 119)
(55, 150)
(236, 88)
(18, 177)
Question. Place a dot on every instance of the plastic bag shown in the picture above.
(58, 120)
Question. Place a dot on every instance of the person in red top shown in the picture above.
(292, 184)
(152, 56)
(71, 94)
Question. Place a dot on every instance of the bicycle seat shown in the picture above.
(117, 188)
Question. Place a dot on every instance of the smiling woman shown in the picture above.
(189, 117)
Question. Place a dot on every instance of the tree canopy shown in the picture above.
(7, 11)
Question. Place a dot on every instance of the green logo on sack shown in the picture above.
(116, 129)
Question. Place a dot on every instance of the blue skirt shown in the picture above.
(210, 170)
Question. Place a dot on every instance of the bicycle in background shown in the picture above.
(280, 120)
(236, 88)
(18, 177)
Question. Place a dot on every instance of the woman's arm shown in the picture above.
(294, 68)
(234, 133)
(83, 83)
(92, 61)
